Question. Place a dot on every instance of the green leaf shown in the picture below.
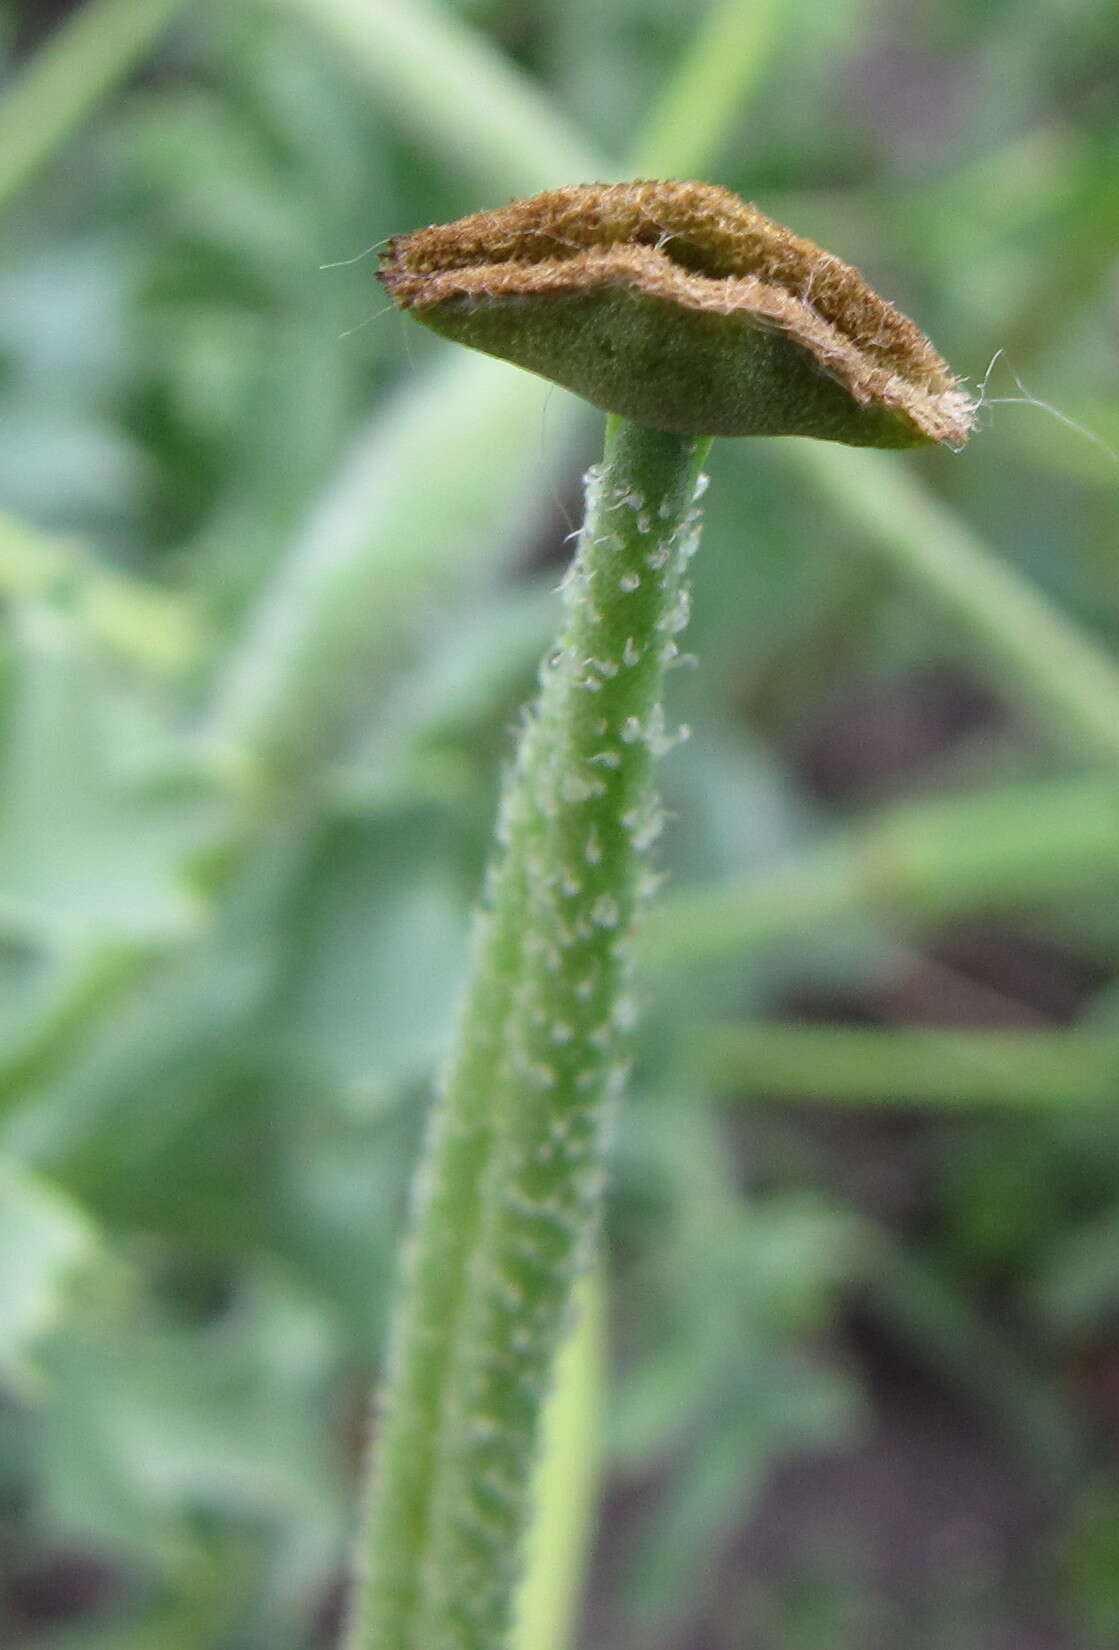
(380, 943)
(92, 847)
(147, 1431)
(45, 1242)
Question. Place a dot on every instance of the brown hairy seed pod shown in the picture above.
(681, 307)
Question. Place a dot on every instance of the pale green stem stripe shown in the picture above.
(512, 1178)
(567, 1481)
(85, 58)
(1023, 641)
(916, 1067)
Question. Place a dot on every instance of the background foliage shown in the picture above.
(276, 569)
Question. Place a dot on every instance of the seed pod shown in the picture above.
(681, 307)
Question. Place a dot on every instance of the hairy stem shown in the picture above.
(511, 1183)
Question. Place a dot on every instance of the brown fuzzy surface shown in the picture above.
(700, 248)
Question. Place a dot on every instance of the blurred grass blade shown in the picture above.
(380, 547)
(81, 989)
(80, 64)
(1076, 1287)
(870, 1066)
(686, 129)
(480, 114)
(941, 1325)
(1024, 644)
(449, 86)
(920, 861)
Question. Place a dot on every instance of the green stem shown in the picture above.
(83, 60)
(512, 1180)
(918, 862)
(871, 1066)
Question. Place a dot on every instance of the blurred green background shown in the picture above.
(276, 567)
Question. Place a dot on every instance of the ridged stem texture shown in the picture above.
(511, 1183)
